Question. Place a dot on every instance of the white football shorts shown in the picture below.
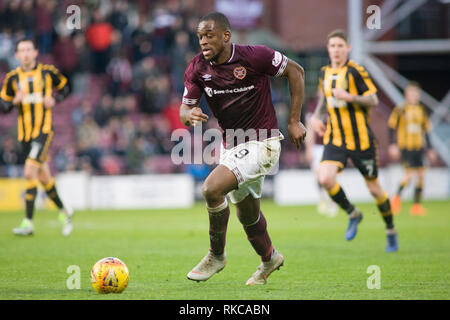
(250, 162)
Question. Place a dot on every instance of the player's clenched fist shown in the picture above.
(318, 126)
(192, 116)
(342, 94)
(18, 97)
(49, 102)
(197, 116)
(297, 133)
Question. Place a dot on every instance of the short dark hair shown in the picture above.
(219, 18)
(339, 33)
(25, 40)
(414, 84)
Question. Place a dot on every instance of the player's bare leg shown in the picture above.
(65, 212)
(396, 202)
(384, 206)
(327, 177)
(325, 205)
(255, 226)
(31, 170)
(220, 181)
(321, 205)
(417, 209)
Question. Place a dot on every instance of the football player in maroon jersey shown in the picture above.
(236, 81)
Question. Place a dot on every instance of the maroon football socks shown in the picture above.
(218, 222)
(259, 237)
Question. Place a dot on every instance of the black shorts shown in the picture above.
(36, 149)
(413, 158)
(366, 161)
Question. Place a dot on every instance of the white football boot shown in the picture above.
(210, 265)
(266, 268)
(25, 229)
(332, 209)
(65, 216)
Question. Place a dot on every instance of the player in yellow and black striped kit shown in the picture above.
(411, 122)
(29, 88)
(347, 93)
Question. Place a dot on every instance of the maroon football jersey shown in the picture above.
(237, 91)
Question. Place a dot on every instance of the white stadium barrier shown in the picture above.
(293, 187)
(290, 187)
(126, 192)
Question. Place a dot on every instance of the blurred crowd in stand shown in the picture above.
(125, 63)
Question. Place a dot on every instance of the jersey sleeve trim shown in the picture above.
(189, 102)
(282, 67)
(394, 118)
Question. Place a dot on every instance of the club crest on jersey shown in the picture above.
(277, 58)
(209, 91)
(240, 72)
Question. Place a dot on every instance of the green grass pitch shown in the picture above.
(161, 246)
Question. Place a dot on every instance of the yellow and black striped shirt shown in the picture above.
(36, 84)
(412, 124)
(348, 123)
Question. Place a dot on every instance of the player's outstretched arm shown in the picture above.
(62, 93)
(6, 106)
(61, 85)
(192, 115)
(316, 120)
(295, 74)
(309, 140)
(370, 100)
